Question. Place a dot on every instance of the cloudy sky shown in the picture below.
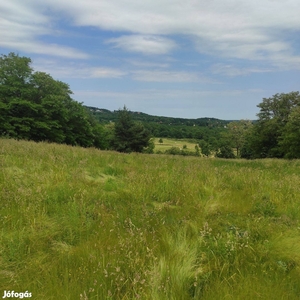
(191, 58)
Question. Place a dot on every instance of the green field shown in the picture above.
(169, 143)
(87, 224)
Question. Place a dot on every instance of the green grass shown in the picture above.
(169, 143)
(87, 224)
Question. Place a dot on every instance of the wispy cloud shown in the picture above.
(104, 73)
(233, 28)
(21, 26)
(71, 70)
(167, 76)
(146, 44)
(151, 74)
(232, 71)
(147, 64)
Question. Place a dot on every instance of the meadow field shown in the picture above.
(81, 223)
(169, 143)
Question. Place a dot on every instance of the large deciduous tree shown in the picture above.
(15, 90)
(36, 107)
(274, 114)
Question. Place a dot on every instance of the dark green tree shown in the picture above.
(129, 136)
(205, 147)
(150, 148)
(15, 90)
(51, 97)
(34, 106)
(247, 149)
(15, 74)
(273, 116)
(225, 152)
(290, 138)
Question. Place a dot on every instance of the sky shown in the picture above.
(188, 59)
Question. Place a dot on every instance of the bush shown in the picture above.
(225, 152)
(173, 151)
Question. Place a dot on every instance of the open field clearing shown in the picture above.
(169, 143)
(81, 223)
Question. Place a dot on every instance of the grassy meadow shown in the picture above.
(87, 224)
(169, 143)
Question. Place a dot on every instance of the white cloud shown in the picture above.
(147, 64)
(21, 25)
(48, 49)
(252, 30)
(233, 28)
(104, 73)
(69, 70)
(21, 12)
(146, 44)
(160, 73)
(167, 76)
(232, 71)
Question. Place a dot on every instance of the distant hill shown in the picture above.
(106, 116)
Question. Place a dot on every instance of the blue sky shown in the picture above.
(190, 59)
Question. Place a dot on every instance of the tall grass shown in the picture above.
(86, 224)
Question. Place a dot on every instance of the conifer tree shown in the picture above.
(129, 136)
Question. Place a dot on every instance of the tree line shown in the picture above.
(206, 131)
(34, 106)
(106, 116)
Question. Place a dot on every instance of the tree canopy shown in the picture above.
(36, 107)
(276, 133)
(290, 138)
